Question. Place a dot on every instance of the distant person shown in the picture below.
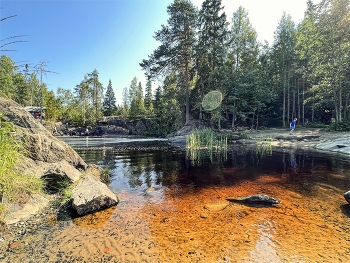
(292, 126)
(54, 130)
(87, 132)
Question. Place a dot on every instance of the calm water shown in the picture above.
(173, 209)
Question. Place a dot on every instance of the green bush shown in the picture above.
(343, 126)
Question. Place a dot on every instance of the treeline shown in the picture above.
(304, 73)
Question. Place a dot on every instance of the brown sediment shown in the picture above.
(167, 226)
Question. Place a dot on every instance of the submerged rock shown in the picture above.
(254, 199)
(347, 196)
(216, 207)
(92, 195)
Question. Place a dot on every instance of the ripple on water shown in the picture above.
(171, 222)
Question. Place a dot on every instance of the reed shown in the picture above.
(264, 146)
(205, 139)
(204, 143)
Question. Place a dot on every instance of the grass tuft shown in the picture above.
(14, 187)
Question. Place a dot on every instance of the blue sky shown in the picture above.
(112, 36)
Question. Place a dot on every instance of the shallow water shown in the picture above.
(162, 216)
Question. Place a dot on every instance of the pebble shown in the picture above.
(2, 239)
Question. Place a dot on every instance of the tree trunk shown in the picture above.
(303, 102)
(340, 102)
(313, 107)
(346, 106)
(288, 100)
(297, 83)
(187, 96)
(284, 100)
(233, 114)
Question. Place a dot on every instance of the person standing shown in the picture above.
(292, 126)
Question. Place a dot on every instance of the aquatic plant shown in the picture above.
(203, 143)
(205, 139)
(264, 146)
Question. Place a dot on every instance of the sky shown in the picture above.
(75, 37)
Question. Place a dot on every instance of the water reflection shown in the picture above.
(162, 216)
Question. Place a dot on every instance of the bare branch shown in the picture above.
(18, 41)
(7, 18)
(12, 37)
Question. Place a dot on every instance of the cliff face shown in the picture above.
(43, 147)
(47, 157)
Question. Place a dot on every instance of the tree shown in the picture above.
(242, 63)
(137, 106)
(176, 53)
(210, 50)
(149, 97)
(284, 59)
(82, 92)
(96, 96)
(109, 103)
(7, 77)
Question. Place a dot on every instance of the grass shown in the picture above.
(202, 143)
(264, 146)
(205, 139)
(14, 187)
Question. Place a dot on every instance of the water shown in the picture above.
(173, 209)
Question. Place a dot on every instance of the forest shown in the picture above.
(304, 73)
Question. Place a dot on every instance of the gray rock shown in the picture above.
(341, 145)
(62, 170)
(19, 212)
(254, 199)
(91, 195)
(347, 196)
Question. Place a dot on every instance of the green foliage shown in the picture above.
(109, 103)
(316, 125)
(176, 52)
(137, 106)
(205, 138)
(344, 126)
(14, 187)
(264, 146)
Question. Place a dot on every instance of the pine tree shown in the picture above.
(211, 49)
(148, 96)
(109, 103)
(176, 53)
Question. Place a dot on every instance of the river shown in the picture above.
(173, 209)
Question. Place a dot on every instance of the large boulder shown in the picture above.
(41, 144)
(347, 196)
(91, 195)
(45, 156)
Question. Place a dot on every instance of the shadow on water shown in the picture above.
(162, 216)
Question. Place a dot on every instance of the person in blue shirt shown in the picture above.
(292, 126)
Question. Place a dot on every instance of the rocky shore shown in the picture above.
(303, 138)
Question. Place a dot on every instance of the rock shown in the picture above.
(347, 196)
(61, 171)
(216, 207)
(254, 199)
(341, 145)
(19, 212)
(91, 195)
(42, 145)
